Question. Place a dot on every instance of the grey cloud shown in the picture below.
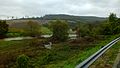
(42, 7)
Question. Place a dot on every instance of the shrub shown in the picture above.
(22, 61)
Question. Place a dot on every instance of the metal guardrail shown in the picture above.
(95, 56)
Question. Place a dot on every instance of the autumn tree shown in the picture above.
(33, 29)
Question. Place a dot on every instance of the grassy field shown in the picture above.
(62, 55)
(45, 30)
(18, 32)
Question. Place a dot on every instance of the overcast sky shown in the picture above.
(73, 7)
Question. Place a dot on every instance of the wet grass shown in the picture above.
(81, 56)
(62, 55)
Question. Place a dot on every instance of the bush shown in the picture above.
(22, 61)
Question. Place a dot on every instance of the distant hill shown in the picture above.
(87, 19)
(45, 19)
(73, 18)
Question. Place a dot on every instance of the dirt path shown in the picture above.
(45, 36)
(17, 38)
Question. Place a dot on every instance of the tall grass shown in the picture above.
(77, 58)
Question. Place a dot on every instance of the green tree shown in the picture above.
(105, 28)
(33, 29)
(3, 28)
(60, 30)
(112, 26)
(83, 29)
(117, 27)
(112, 17)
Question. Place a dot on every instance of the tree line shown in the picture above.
(60, 28)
